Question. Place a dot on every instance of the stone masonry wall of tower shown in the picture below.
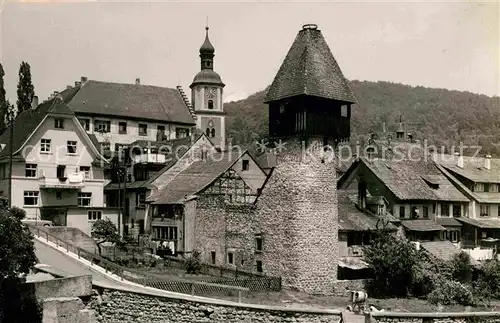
(298, 215)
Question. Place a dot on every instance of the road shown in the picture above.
(49, 256)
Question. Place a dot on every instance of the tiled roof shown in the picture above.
(406, 180)
(481, 223)
(27, 122)
(422, 225)
(129, 101)
(309, 68)
(444, 250)
(473, 168)
(488, 197)
(352, 219)
(194, 179)
(178, 149)
(448, 222)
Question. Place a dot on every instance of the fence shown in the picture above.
(144, 278)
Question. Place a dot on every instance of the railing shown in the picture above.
(150, 158)
(146, 279)
(76, 182)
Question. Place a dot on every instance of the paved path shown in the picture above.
(49, 256)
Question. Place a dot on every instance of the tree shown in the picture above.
(25, 89)
(17, 259)
(394, 261)
(3, 102)
(104, 230)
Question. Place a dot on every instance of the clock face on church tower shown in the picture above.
(211, 92)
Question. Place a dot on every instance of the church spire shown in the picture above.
(207, 51)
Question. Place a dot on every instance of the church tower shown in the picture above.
(206, 95)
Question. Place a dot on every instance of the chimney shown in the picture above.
(83, 79)
(487, 162)
(137, 81)
(34, 102)
(460, 160)
(77, 83)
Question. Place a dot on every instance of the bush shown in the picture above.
(449, 292)
(193, 263)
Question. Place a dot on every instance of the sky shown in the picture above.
(453, 45)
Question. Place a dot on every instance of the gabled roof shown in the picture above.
(309, 68)
(29, 120)
(405, 179)
(128, 101)
(353, 219)
(195, 178)
(473, 169)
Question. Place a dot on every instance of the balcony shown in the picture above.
(150, 158)
(73, 181)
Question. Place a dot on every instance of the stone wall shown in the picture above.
(298, 216)
(114, 306)
(66, 310)
(459, 317)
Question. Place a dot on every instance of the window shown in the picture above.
(343, 111)
(453, 235)
(212, 132)
(212, 256)
(445, 209)
(479, 187)
(425, 212)
(59, 123)
(45, 146)
(230, 258)
(84, 199)
(258, 243)
(85, 124)
(61, 171)
(160, 133)
(71, 147)
(141, 199)
(485, 210)
(122, 127)
(414, 212)
(210, 104)
(94, 215)
(494, 188)
(402, 212)
(86, 170)
(181, 133)
(30, 170)
(30, 198)
(457, 210)
(259, 265)
(245, 164)
(102, 126)
(143, 129)
(498, 210)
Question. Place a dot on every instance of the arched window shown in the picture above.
(213, 132)
(207, 132)
(210, 104)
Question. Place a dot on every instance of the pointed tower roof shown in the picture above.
(309, 68)
(207, 47)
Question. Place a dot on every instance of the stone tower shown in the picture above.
(309, 106)
(206, 95)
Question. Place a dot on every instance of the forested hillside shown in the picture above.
(443, 117)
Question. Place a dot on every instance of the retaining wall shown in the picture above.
(119, 306)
